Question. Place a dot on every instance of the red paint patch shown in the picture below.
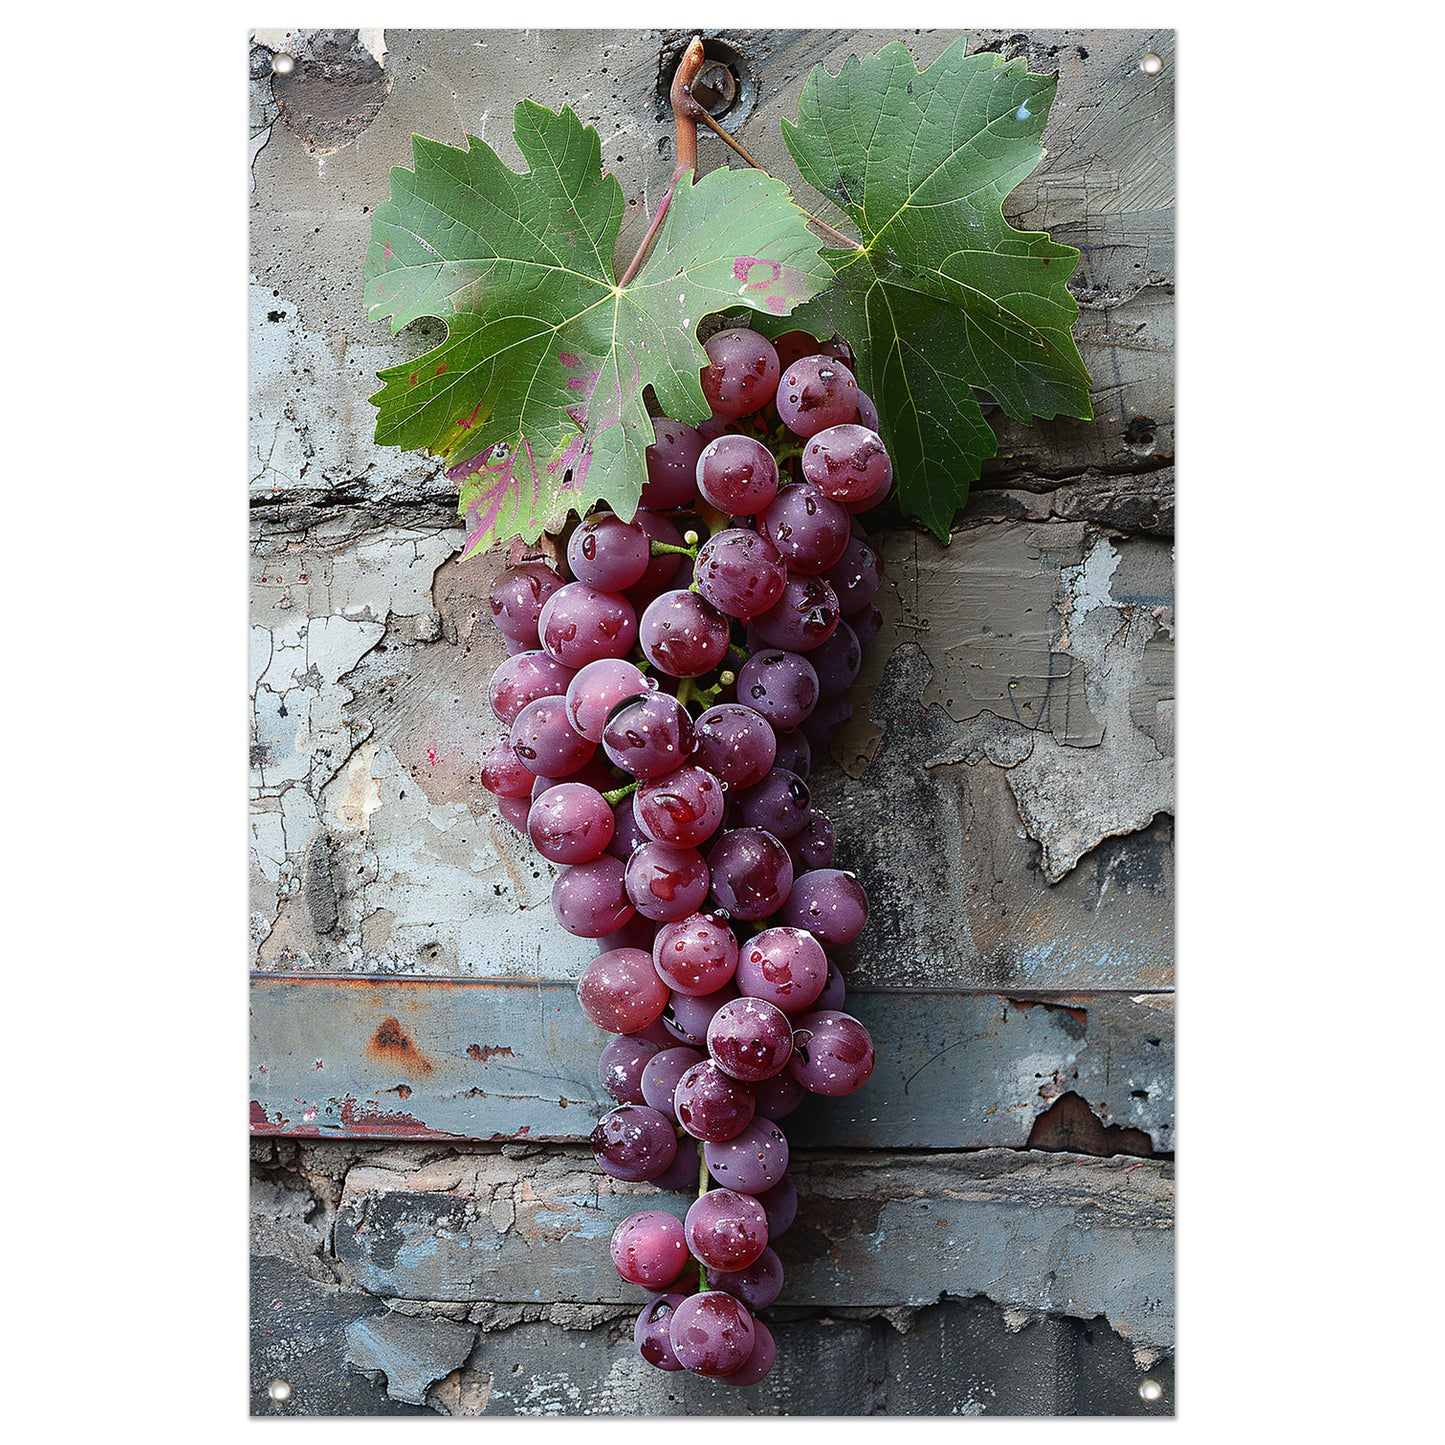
(431, 756)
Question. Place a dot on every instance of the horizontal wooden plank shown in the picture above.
(1060, 1233)
(493, 1059)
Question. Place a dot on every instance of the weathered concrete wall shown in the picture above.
(1004, 789)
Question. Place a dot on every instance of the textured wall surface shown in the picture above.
(1005, 791)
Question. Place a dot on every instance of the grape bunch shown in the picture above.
(663, 692)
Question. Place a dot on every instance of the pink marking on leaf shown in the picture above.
(777, 304)
(743, 268)
(569, 358)
(386, 250)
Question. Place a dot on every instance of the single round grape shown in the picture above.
(757, 1286)
(740, 572)
(514, 811)
(867, 411)
(833, 1054)
(663, 568)
(839, 349)
(713, 427)
(619, 1070)
(750, 1039)
(856, 576)
(866, 623)
(627, 837)
(661, 1073)
(650, 1333)
(593, 774)
(682, 635)
(680, 1177)
(777, 1097)
(741, 374)
(607, 553)
(517, 597)
(795, 752)
(850, 464)
(671, 466)
(579, 624)
(837, 661)
(751, 873)
(736, 744)
(505, 774)
(696, 955)
(590, 899)
(809, 530)
(648, 736)
(665, 883)
(684, 808)
(712, 1333)
(687, 1016)
(834, 991)
(633, 1143)
(751, 1162)
(621, 992)
(710, 1104)
(725, 1229)
(546, 742)
(816, 392)
(655, 1033)
(792, 346)
(570, 823)
(825, 719)
(523, 678)
(782, 686)
(779, 804)
(829, 903)
(649, 1248)
(804, 617)
(593, 692)
(785, 967)
(758, 1365)
(738, 475)
(815, 845)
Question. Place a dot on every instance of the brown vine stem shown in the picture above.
(717, 130)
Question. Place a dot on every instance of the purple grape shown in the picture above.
(753, 1161)
(814, 845)
(593, 774)
(792, 346)
(523, 678)
(750, 1039)
(593, 692)
(650, 1333)
(680, 1177)
(782, 686)
(757, 1286)
(710, 1104)
(661, 1073)
(735, 744)
(607, 553)
(809, 531)
(514, 811)
(506, 775)
(712, 1333)
(649, 736)
(741, 374)
(867, 412)
(696, 955)
(780, 804)
(816, 392)
(785, 967)
(758, 1365)
(687, 1016)
(856, 576)
(837, 661)
(579, 624)
(570, 823)
(849, 464)
(781, 1205)
(825, 719)
(664, 567)
(671, 466)
(725, 1229)
(665, 883)
(829, 903)
(684, 808)
(619, 1070)
(803, 618)
(777, 1097)
(590, 899)
(517, 597)
(546, 742)
(834, 1054)
(655, 1033)
(627, 837)
(633, 1143)
(866, 624)
(740, 572)
(834, 991)
(738, 475)
(649, 1248)
(682, 635)
(795, 753)
(751, 873)
(621, 992)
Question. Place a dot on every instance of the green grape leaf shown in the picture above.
(945, 295)
(535, 398)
